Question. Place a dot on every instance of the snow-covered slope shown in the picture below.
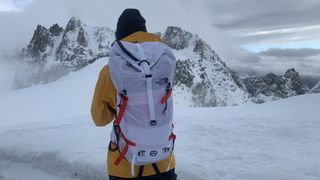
(46, 133)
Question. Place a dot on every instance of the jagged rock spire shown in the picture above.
(56, 30)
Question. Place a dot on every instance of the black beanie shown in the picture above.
(130, 21)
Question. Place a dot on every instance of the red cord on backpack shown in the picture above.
(123, 107)
(166, 97)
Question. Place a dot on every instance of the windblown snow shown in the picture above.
(46, 132)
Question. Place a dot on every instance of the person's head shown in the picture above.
(130, 21)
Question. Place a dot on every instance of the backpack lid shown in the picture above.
(152, 50)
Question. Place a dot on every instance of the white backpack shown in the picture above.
(143, 74)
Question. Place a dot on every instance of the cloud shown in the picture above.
(259, 25)
(18, 28)
(304, 65)
(305, 61)
(291, 53)
(13, 5)
(225, 25)
(267, 22)
(7, 71)
(260, 14)
(6, 7)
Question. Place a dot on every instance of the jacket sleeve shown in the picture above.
(103, 107)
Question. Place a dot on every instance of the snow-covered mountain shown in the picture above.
(54, 52)
(202, 78)
(273, 87)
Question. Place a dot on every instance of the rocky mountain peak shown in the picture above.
(201, 70)
(291, 73)
(56, 30)
(180, 39)
(73, 24)
(81, 38)
(270, 78)
(274, 86)
(75, 38)
(176, 38)
(296, 81)
(40, 41)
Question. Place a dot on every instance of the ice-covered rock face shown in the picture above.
(272, 87)
(296, 81)
(36, 50)
(177, 39)
(202, 78)
(54, 52)
(56, 30)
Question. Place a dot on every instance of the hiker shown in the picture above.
(134, 92)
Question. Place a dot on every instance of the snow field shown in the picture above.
(46, 132)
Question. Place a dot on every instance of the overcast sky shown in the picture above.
(250, 35)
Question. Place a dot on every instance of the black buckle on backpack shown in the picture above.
(153, 123)
(168, 87)
(148, 76)
(113, 144)
(122, 94)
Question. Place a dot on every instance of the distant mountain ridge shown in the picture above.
(202, 78)
(262, 88)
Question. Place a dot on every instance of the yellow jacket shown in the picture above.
(103, 111)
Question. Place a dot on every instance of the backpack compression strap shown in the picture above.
(125, 149)
(117, 129)
(165, 98)
(146, 70)
(123, 106)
